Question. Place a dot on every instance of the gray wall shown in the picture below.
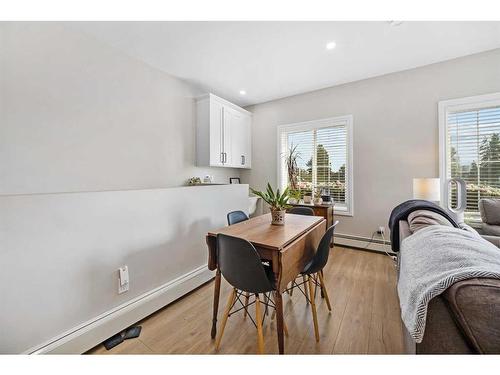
(395, 130)
(78, 115)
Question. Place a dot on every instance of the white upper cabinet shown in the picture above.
(223, 134)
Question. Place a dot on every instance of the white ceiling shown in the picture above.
(271, 60)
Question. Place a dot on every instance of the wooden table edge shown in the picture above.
(263, 245)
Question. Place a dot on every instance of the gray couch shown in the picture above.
(464, 319)
(490, 217)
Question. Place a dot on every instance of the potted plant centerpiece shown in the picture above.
(278, 203)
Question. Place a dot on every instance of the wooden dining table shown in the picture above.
(287, 247)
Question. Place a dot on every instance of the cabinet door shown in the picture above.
(216, 134)
(240, 139)
(247, 149)
(228, 119)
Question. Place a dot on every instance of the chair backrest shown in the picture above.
(308, 211)
(240, 265)
(235, 217)
(321, 257)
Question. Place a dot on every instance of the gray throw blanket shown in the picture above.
(435, 258)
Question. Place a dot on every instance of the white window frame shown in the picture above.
(346, 120)
(469, 103)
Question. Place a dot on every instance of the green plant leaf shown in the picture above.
(270, 191)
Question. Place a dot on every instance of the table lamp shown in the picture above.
(427, 188)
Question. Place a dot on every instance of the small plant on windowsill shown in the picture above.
(295, 196)
(277, 201)
(317, 196)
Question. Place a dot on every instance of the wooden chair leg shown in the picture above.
(304, 279)
(258, 321)
(313, 308)
(230, 302)
(247, 297)
(323, 289)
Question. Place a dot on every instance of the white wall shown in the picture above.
(395, 130)
(60, 255)
(77, 115)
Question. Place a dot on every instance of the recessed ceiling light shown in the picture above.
(243, 92)
(331, 45)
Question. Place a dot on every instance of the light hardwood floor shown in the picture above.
(365, 317)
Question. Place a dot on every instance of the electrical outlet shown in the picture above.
(381, 230)
(123, 280)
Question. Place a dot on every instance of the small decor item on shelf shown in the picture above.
(234, 180)
(278, 203)
(325, 195)
(208, 179)
(317, 197)
(307, 198)
(194, 181)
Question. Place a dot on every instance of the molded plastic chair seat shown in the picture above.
(320, 258)
(306, 211)
(235, 217)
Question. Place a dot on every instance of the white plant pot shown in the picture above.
(278, 217)
(318, 201)
(293, 201)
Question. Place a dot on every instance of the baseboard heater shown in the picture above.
(84, 337)
(364, 243)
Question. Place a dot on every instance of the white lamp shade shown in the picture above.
(427, 188)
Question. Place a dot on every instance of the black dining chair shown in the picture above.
(241, 266)
(307, 211)
(236, 217)
(313, 275)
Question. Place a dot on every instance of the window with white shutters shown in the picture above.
(472, 148)
(324, 149)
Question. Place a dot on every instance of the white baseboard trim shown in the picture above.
(84, 337)
(362, 243)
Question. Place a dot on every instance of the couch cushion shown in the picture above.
(490, 230)
(422, 218)
(442, 334)
(490, 211)
(475, 304)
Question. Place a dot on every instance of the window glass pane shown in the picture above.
(303, 142)
(321, 161)
(474, 155)
(331, 159)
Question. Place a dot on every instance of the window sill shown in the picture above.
(342, 213)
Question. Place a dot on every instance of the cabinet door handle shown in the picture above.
(222, 157)
(225, 157)
(242, 159)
